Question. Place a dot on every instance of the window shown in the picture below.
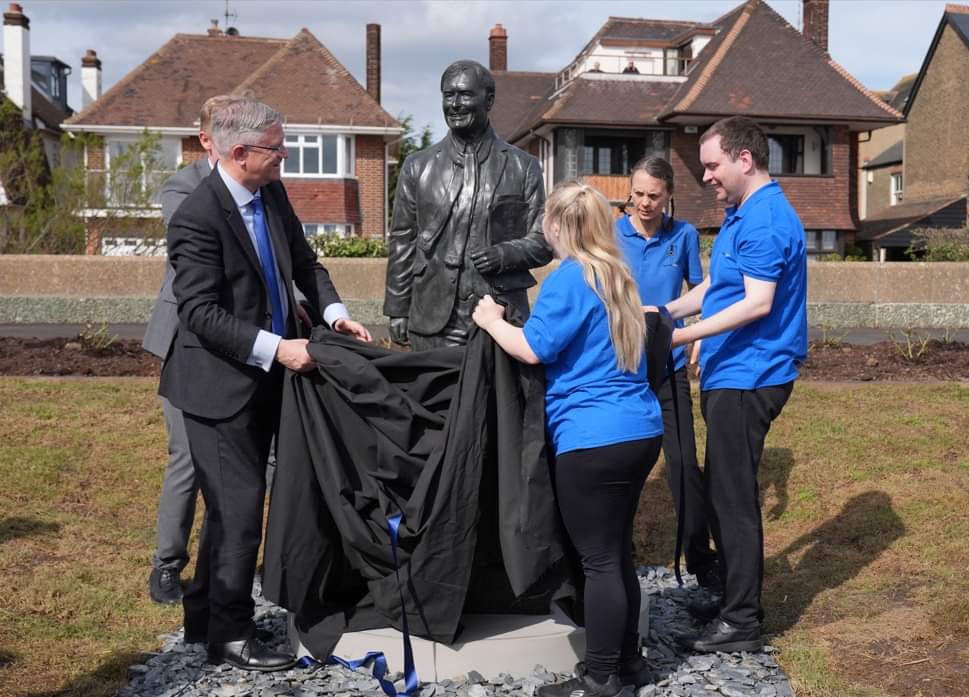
(896, 188)
(821, 241)
(341, 229)
(132, 175)
(829, 241)
(786, 153)
(319, 156)
(616, 154)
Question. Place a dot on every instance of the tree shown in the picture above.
(410, 142)
(939, 244)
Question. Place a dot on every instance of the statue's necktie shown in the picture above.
(268, 264)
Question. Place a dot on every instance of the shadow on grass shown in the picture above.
(829, 556)
(105, 680)
(15, 527)
(775, 469)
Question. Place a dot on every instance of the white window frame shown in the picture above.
(897, 188)
(130, 140)
(344, 230)
(344, 169)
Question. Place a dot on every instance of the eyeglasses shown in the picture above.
(280, 149)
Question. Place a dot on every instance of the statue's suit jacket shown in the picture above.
(424, 262)
(163, 322)
(223, 300)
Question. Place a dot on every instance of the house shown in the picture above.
(880, 154)
(935, 166)
(36, 86)
(337, 133)
(592, 121)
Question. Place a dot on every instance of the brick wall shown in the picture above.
(936, 150)
(371, 171)
(325, 200)
(879, 194)
(192, 150)
(823, 203)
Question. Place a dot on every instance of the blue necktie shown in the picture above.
(268, 265)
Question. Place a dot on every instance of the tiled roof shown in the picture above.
(613, 101)
(298, 77)
(518, 95)
(760, 66)
(894, 218)
(645, 29)
(889, 156)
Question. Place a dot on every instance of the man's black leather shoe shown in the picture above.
(263, 635)
(720, 635)
(250, 654)
(703, 610)
(583, 686)
(164, 586)
(633, 673)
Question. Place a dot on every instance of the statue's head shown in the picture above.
(467, 95)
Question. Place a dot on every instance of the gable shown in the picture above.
(954, 22)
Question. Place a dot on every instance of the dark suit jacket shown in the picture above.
(164, 314)
(223, 299)
(424, 262)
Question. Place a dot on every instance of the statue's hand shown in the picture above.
(398, 330)
(487, 260)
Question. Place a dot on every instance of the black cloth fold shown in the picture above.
(454, 439)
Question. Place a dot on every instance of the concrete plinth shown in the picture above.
(489, 644)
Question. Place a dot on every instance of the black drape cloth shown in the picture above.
(454, 439)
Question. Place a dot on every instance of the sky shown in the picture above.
(877, 41)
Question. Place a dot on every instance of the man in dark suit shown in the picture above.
(176, 505)
(467, 221)
(237, 248)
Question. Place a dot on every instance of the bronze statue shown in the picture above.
(467, 221)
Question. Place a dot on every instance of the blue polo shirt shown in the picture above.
(762, 239)
(661, 263)
(589, 402)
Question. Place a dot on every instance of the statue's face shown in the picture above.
(466, 104)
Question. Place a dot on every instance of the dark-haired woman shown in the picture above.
(662, 253)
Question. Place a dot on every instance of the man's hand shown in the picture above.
(292, 354)
(487, 311)
(398, 330)
(303, 316)
(487, 260)
(351, 327)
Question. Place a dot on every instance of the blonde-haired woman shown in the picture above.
(604, 422)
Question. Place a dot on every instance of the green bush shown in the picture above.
(939, 244)
(852, 253)
(336, 246)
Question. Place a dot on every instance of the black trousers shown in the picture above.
(230, 463)
(598, 492)
(696, 525)
(737, 425)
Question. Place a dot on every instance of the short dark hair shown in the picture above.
(739, 133)
(481, 73)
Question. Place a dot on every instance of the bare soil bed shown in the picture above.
(901, 360)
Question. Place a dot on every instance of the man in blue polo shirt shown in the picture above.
(754, 331)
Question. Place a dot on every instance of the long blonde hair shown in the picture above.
(586, 234)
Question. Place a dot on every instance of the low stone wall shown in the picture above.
(62, 288)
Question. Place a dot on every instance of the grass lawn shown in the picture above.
(866, 512)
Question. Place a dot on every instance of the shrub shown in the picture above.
(939, 244)
(336, 246)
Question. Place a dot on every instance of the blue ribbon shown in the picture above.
(377, 658)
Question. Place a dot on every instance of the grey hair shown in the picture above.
(482, 74)
(241, 121)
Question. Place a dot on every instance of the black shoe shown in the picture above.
(709, 578)
(263, 635)
(164, 586)
(582, 686)
(704, 610)
(250, 654)
(720, 635)
(633, 673)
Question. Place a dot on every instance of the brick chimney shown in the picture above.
(373, 61)
(90, 77)
(816, 22)
(16, 59)
(498, 48)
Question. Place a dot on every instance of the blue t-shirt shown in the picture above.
(762, 239)
(589, 403)
(661, 263)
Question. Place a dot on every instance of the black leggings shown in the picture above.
(598, 491)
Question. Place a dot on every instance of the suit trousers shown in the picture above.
(176, 506)
(737, 425)
(230, 463)
(696, 526)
